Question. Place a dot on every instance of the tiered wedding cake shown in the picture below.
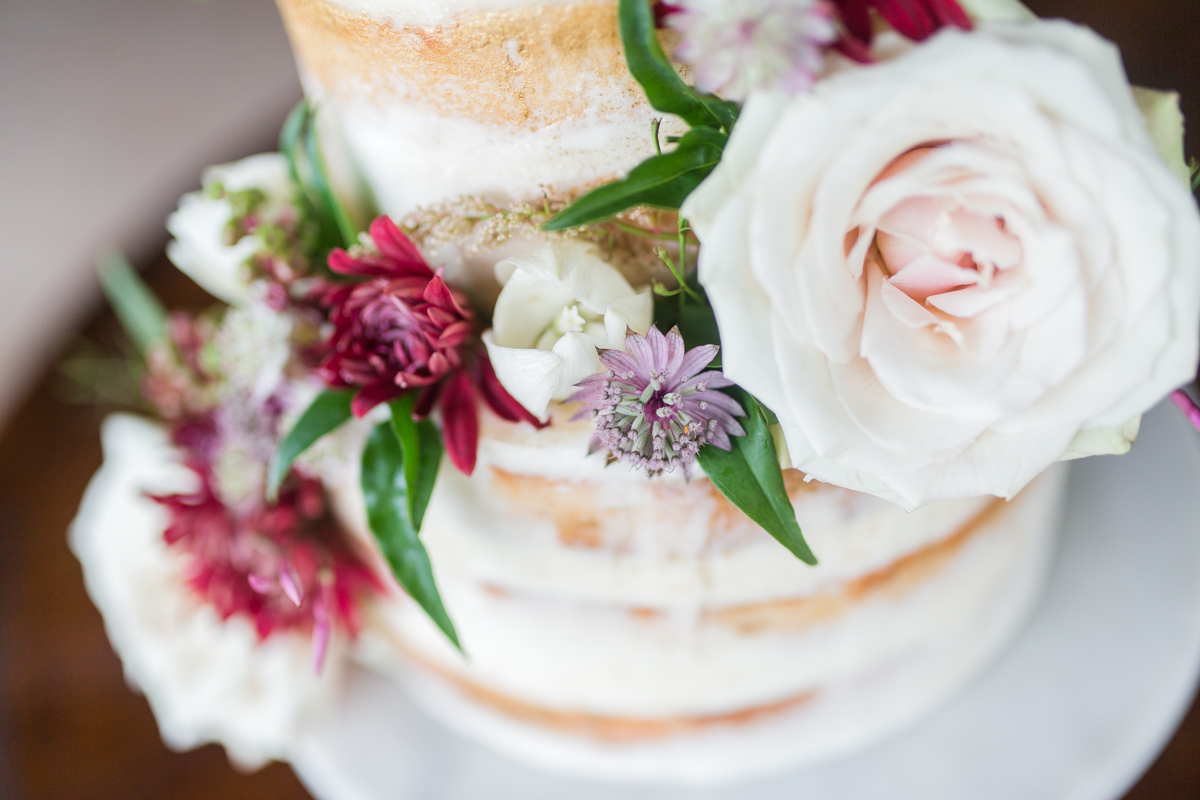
(943, 247)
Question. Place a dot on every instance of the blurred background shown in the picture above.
(109, 110)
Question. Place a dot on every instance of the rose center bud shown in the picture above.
(934, 228)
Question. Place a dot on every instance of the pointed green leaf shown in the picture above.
(663, 180)
(385, 490)
(750, 477)
(324, 188)
(138, 310)
(289, 138)
(300, 143)
(649, 65)
(420, 472)
(328, 411)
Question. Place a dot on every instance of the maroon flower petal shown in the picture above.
(426, 400)
(393, 244)
(856, 16)
(908, 17)
(663, 10)
(949, 12)
(370, 396)
(460, 421)
(854, 49)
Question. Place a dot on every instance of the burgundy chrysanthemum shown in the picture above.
(654, 407)
(915, 19)
(401, 330)
(285, 566)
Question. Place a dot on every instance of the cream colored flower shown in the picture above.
(559, 303)
(201, 226)
(207, 679)
(946, 271)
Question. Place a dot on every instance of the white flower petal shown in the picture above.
(635, 312)
(530, 376)
(199, 251)
(594, 282)
(1113, 440)
(527, 305)
(1164, 120)
(579, 360)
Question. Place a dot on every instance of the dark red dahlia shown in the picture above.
(285, 566)
(915, 19)
(402, 329)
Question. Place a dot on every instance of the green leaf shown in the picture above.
(750, 477)
(289, 138)
(696, 321)
(299, 142)
(663, 180)
(420, 472)
(138, 310)
(386, 490)
(324, 189)
(649, 65)
(330, 409)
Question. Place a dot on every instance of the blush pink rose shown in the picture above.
(948, 270)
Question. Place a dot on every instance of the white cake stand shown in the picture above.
(1076, 710)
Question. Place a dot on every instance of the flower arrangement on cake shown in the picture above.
(610, 411)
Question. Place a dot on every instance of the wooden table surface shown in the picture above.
(70, 728)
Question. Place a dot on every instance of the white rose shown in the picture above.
(207, 679)
(559, 303)
(947, 271)
(200, 225)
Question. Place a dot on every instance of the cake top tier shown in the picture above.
(434, 11)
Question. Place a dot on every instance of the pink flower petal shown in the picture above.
(695, 360)
(928, 275)
(1188, 406)
(288, 582)
(322, 628)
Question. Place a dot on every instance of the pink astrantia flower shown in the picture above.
(285, 566)
(1187, 405)
(654, 407)
(915, 19)
(401, 330)
(738, 46)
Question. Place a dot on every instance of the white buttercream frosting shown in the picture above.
(411, 156)
(425, 12)
(559, 653)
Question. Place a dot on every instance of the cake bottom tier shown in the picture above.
(721, 695)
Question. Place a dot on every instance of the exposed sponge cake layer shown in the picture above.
(498, 103)
(643, 694)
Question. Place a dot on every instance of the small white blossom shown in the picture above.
(559, 303)
(203, 247)
(739, 46)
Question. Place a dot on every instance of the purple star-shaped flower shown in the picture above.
(654, 408)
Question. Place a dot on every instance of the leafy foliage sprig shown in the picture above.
(749, 475)
(664, 180)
